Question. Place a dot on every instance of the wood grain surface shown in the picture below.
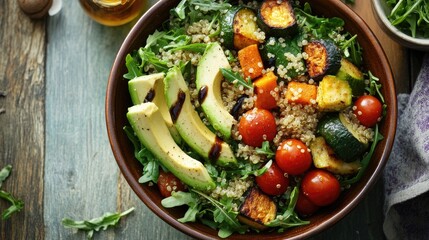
(22, 77)
(53, 132)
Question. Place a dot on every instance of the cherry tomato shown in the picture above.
(273, 181)
(167, 183)
(304, 206)
(321, 187)
(293, 157)
(256, 126)
(368, 110)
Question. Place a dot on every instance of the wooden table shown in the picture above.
(53, 133)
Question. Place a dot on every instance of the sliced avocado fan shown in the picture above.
(208, 81)
(150, 128)
(190, 126)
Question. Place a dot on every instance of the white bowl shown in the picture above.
(381, 10)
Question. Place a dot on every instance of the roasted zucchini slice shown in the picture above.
(257, 209)
(349, 72)
(324, 157)
(277, 18)
(340, 135)
(324, 58)
(239, 28)
(333, 94)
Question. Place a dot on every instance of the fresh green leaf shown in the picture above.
(4, 173)
(133, 68)
(236, 78)
(180, 199)
(149, 57)
(96, 224)
(410, 17)
(265, 149)
(194, 47)
(289, 218)
(150, 172)
(17, 204)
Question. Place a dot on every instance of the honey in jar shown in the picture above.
(112, 12)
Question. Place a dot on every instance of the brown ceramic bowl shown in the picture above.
(118, 100)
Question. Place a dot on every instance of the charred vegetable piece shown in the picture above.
(239, 28)
(257, 209)
(349, 72)
(277, 18)
(324, 157)
(250, 61)
(324, 58)
(342, 137)
(333, 94)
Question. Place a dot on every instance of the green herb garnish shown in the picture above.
(289, 218)
(96, 224)
(411, 17)
(265, 149)
(236, 78)
(17, 204)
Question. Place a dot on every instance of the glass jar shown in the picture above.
(112, 12)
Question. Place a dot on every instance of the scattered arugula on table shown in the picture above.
(411, 17)
(17, 204)
(96, 224)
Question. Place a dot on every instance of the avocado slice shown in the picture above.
(149, 126)
(208, 81)
(150, 88)
(191, 128)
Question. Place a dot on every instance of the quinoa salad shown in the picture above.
(251, 115)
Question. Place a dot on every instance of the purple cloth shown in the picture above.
(406, 176)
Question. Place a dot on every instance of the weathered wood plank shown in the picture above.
(82, 179)
(22, 77)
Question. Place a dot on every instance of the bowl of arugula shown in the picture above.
(144, 150)
(406, 22)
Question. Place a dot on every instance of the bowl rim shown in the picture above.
(379, 8)
(185, 228)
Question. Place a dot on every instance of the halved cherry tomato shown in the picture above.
(256, 126)
(304, 206)
(273, 181)
(293, 157)
(321, 187)
(167, 183)
(368, 110)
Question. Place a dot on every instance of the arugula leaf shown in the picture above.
(17, 204)
(133, 68)
(289, 218)
(4, 173)
(265, 149)
(236, 78)
(224, 216)
(194, 47)
(411, 17)
(96, 224)
(318, 27)
(149, 57)
(365, 161)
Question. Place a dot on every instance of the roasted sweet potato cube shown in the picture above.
(264, 88)
(301, 93)
(257, 209)
(250, 61)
